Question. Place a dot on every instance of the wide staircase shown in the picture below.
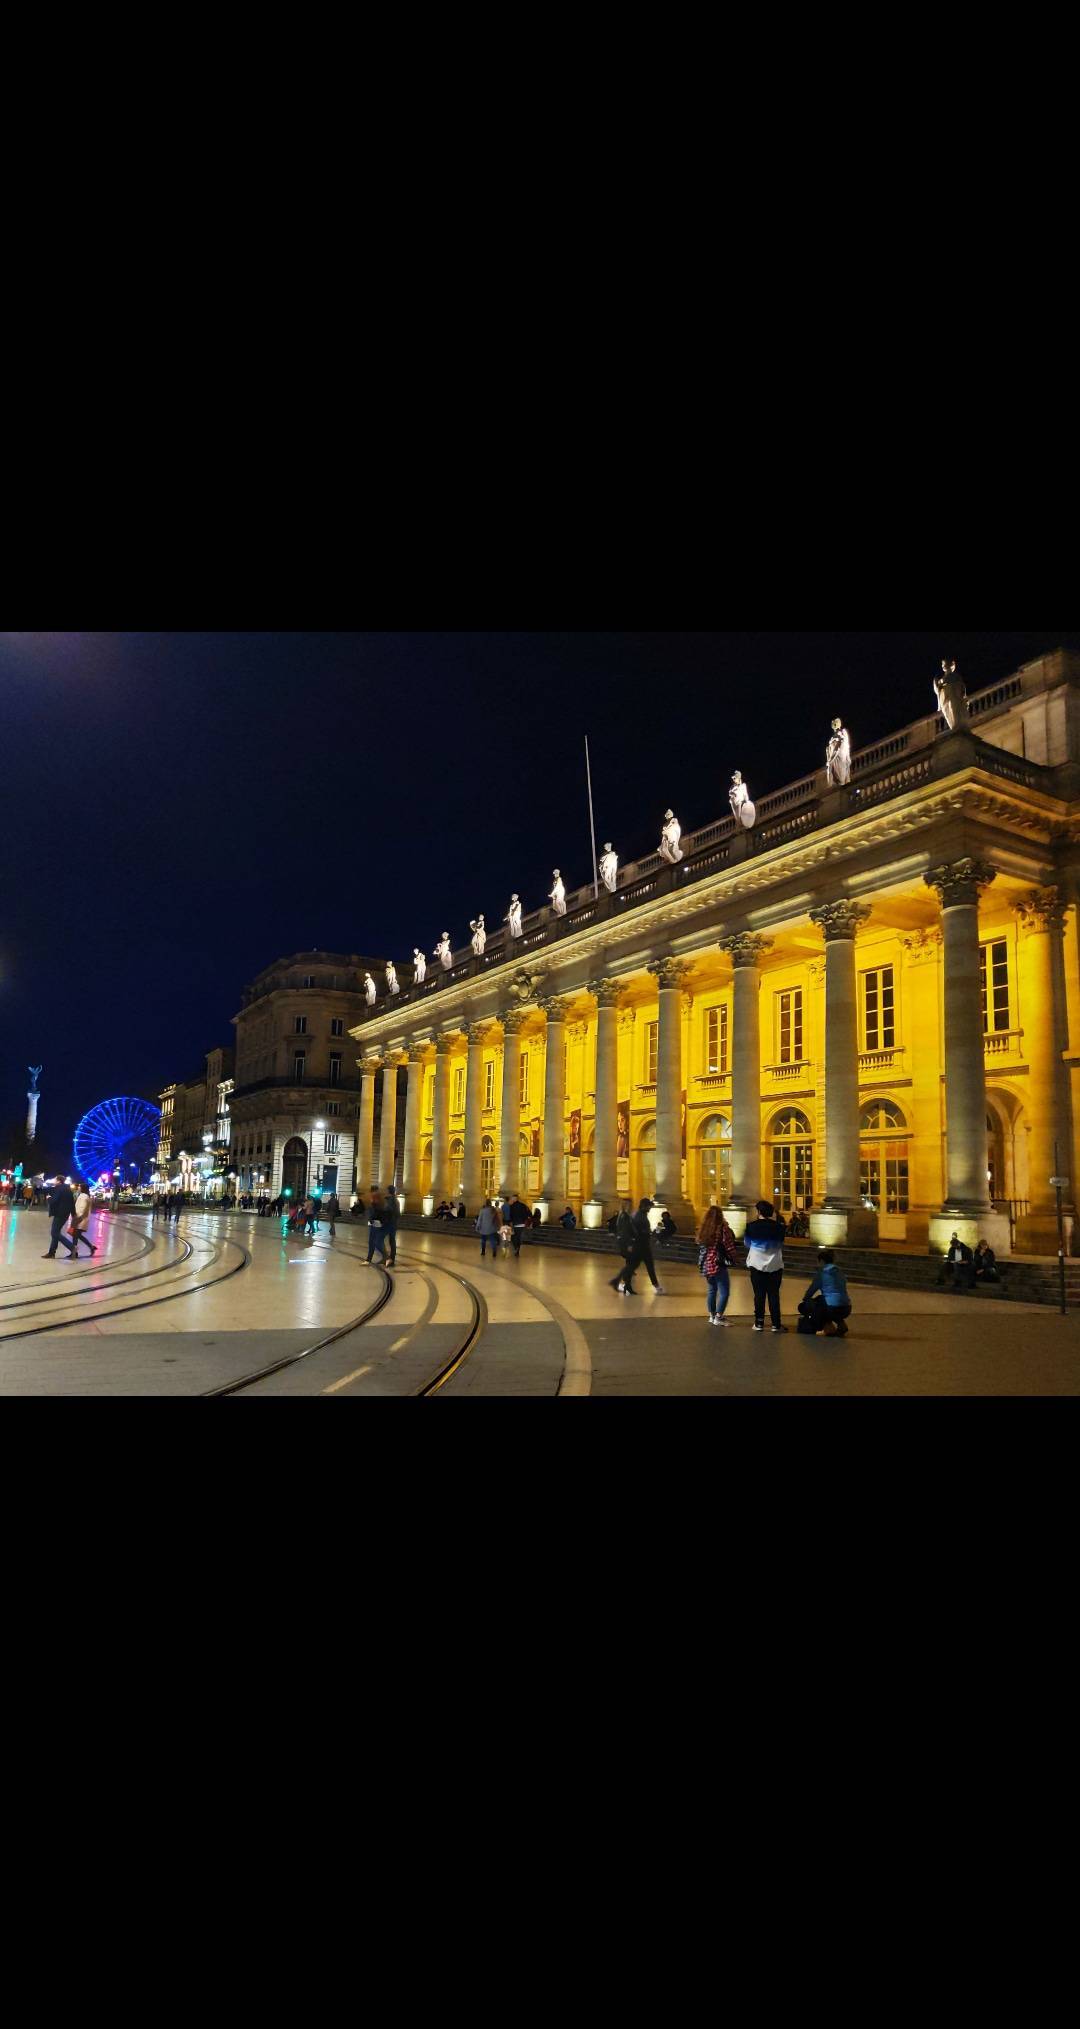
(1023, 1278)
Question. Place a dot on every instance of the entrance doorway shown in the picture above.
(294, 1168)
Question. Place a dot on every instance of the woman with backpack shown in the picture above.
(716, 1251)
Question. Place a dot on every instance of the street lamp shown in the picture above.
(320, 1127)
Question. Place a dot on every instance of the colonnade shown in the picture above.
(841, 1217)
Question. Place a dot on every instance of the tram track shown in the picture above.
(94, 1316)
(75, 1285)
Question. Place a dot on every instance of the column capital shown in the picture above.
(1043, 909)
(372, 1064)
(669, 972)
(960, 885)
(417, 1052)
(513, 1021)
(478, 1032)
(744, 948)
(555, 1007)
(606, 992)
(446, 1042)
(839, 922)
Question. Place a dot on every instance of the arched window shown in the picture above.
(487, 1166)
(883, 1158)
(714, 1160)
(646, 1155)
(524, 1152)
(457, 1157)
(792, 1138)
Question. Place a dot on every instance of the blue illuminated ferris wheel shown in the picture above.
(119, 1137)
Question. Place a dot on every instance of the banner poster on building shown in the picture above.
(575, 1132)
(573, 1177)
(682, 1117)
(534, 1138)
(622, 1131)
(534, 1176)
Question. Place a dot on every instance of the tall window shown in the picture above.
(879, 1009)
(652, 1043)
(300, 1025)
(883, 1157)
(429, 1096)
(487, 1166)
(716, 1041)
(299, 1065)
(792, 1162)
(332, 1144)
(789, 1027)
(994, 962)
(335, 1067)
(489, 1084)
(337, 1025)
(333, 1107)
(523, 1079)
(459, 1089)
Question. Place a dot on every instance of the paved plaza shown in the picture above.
(213, 1304)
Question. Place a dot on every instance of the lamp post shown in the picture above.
(320, 1126)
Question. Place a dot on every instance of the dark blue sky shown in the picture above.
(183, 808)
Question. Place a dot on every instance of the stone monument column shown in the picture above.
(369, 1069)
(607, 994)
(440, 1126)
(388, 1136)
(967, 1210)
(1042, 925)
(553, 1165)
(746, 952)
(510, 1123)
(414, 1099)
(474, 1116)
(842, 1221)
(669, 974)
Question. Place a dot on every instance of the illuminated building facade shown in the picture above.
(296, 1092)
(866, 1007)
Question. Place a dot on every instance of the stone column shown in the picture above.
(842, 1221)
(369, 1069)
(388, 1137)
(553, 1166)
(746, 953)
(967, 1205)
(669, 974)
(607, 993)
(410, 1160)
(1042, 925)
(474, 1117)
(509, 1169)
(440, 1126)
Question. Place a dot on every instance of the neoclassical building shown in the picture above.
(867, 1006)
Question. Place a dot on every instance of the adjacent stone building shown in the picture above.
(865, 1007)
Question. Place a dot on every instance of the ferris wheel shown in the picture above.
(118, 1138)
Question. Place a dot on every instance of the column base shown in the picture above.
(594, 1214)
(428, 1204)
(844, 1226)
(738, 1218)
(682, 1211)
(971, 1225)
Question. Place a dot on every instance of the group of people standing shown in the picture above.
(168, 1205)
(826, 1305)
(502, 1227)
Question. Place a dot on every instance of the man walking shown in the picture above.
(61, 1206)
(519, 1219)
(332, 1209)
(389, 1226)
(376, 1240)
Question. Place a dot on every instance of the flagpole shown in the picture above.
(592, 822)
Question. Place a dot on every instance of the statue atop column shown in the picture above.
(742, 809)
(32, 1098)
(371, 991)
(670, 848)
(557, 897)
(479, 936)
(951, 693)
(391, 977)
(609, 868)
(838, 757)
(419, 967)
(513, 916)
(442, 951)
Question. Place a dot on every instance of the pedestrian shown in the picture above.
(642, 1256)
(376, 1238)
(311, 1217)
(765, 1259)
(332, 1208)
(826, 1306)
(61, 1206)
(626, 1241)
(716, 1252)
(80, 1219)
(519, 1220)
(488, 1225)
(390, 1218)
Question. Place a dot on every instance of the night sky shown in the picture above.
(182, 809)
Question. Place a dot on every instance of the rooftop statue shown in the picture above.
(443, 951)
(479, 936)
(391, 977)
(419, 967)
(513, 916)
(670, 849)
(609, 868)
(838, 757)
(742, 810)
(951, 693)
(371, 991)
(557, 897)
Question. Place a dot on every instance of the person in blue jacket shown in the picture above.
(826, 1306)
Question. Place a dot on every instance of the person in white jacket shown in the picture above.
(80, 1219)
